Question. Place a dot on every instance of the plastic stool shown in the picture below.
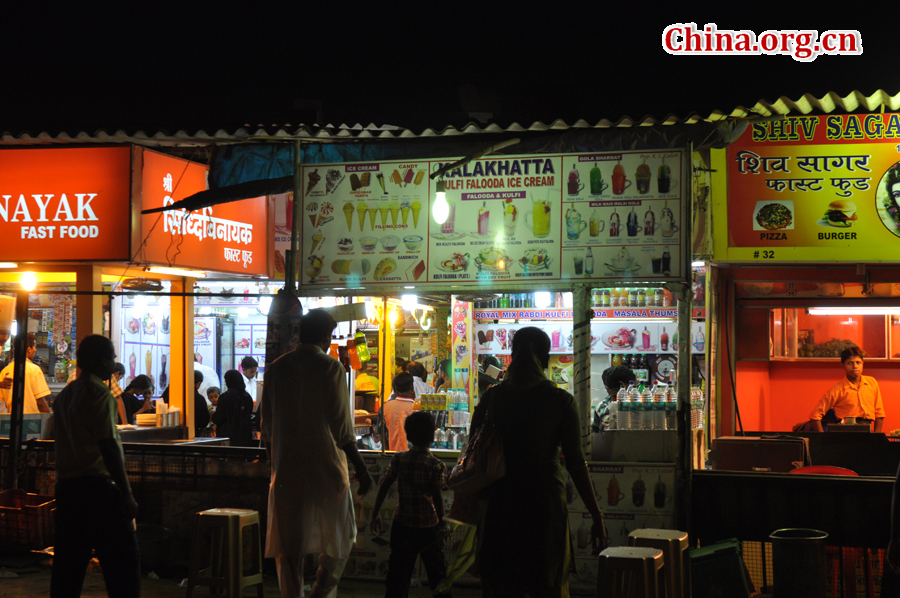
(618, 566)
(674, 545)
(226, 569)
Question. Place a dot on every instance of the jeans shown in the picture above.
(89, 517)
(406, 544)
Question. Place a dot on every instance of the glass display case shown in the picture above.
(798, 334)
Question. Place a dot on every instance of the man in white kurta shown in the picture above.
(308, 429)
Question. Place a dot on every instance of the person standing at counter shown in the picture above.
(130, 401)
(523, 522)
(232, 416)
(442, 378)
(210, 377)
(418, 373)
(250, 367)
(856, 396)
(397, 409)
(307, 428)
(35, 384)
(614, 378)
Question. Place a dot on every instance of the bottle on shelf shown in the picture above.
(362, 347)
(624, 401)
(333, 349)
(659, 408)
(648, 421)
(355, 362)
(671, 409)
(615, 359)
(637, 409)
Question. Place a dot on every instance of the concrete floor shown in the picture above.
(28, 576)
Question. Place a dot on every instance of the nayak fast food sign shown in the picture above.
(65, 204)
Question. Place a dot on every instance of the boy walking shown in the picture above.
(418, 527)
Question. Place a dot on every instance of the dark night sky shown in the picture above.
(195, 65)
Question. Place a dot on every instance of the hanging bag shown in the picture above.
(483, 461)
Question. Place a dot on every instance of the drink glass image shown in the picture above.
(449, 225)
(510, 219)
(579, 264)
(539, 217)
(574, 224)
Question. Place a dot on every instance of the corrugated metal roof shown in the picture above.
(831, 102)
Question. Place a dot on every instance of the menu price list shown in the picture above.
(509, 218)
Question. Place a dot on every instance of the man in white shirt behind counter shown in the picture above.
(35, 384)
(249, 367)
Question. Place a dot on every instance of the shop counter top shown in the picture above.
(154, 434)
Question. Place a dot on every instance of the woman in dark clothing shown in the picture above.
(524, 544)
(134, 405)
(232, 415)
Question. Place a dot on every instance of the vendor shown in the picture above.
(614, 379)
(856, 396)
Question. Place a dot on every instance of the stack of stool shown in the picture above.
(627, 571)
(674, 546)
(226, 567)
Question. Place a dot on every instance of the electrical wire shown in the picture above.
(155, 224)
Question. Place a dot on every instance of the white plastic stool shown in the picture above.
(226, 567)
(674, 545)
(624, 566)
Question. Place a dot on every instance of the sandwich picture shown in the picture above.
(841, 213)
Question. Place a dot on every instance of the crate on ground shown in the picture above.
(26, 520)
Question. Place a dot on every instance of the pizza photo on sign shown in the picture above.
(774, 215)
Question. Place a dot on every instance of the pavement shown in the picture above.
(26, 575)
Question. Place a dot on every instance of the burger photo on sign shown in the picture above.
(841, 214)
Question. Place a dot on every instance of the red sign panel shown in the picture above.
(65, 204)
(224, 238)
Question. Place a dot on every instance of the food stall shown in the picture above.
(81, 243)
(804, 266)
(509, 231)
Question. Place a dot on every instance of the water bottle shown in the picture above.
(659, 408)
(647, 408)
(671, 409)
(637, 409)
(624, 402)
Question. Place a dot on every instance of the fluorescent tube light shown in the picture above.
(853, 311)
(176, 271)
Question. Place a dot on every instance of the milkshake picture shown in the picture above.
(483, 219)
(638, 490)
(510, 218)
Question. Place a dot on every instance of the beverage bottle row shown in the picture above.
(524, 301)
(632, 360)
(642, 408)
(451, 440)
(632, 297)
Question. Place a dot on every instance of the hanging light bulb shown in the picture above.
(440, 210)
(409, 302)
(28, 281)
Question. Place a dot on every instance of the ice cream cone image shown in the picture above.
(384, 211)
(416, 207)
(361, 211)
(372, 212)
(348, 214)
(404, 210)
(394, 207)
(316, 239)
